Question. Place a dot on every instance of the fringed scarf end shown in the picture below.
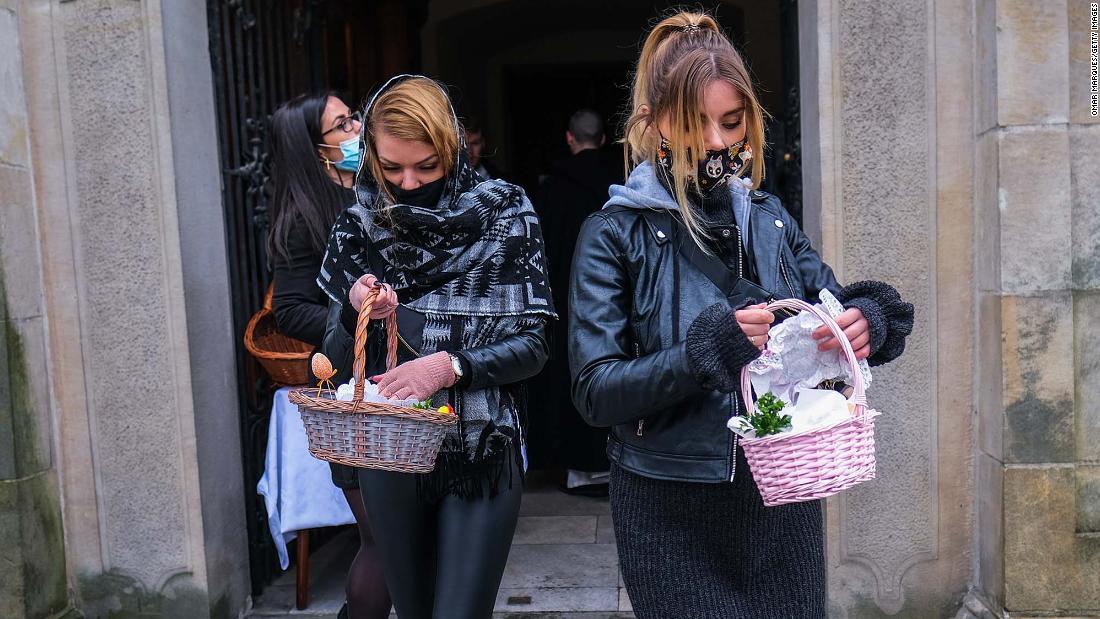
(486, 476)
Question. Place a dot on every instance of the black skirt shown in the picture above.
(713, 550)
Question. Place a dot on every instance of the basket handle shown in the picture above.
(269, 297)
(858, 398)
(359, 365)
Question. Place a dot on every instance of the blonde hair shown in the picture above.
(681, 56)
(417, 109)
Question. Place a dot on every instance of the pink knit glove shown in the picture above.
(418, 379)
(383, 306)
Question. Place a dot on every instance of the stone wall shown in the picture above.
(887, 137)
(33, 577)
(1039, 152)
(956, 156)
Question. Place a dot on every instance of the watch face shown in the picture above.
(456, 365)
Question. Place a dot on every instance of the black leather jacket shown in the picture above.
(633, 296)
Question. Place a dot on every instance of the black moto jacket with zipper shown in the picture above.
(633, 296)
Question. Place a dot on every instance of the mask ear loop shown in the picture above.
(328, 162)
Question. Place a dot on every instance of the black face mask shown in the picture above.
(717, 167)
(424, 196)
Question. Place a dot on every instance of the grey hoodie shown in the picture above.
(643, 190)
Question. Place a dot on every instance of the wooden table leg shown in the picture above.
(302, 584)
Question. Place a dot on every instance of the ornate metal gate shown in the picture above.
(789, 156)
(252, 43)
(262, 53)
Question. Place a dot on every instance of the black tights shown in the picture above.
(367, 595)
(443, 558)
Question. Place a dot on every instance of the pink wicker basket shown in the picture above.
(818, 462)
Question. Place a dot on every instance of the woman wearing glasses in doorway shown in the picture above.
(315, 155)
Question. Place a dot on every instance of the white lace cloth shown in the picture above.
(792, 366)
(346, 393)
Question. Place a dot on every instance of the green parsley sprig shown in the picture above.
(767, 420)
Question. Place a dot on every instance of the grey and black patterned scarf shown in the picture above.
(474, 264)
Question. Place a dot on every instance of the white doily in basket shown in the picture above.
(793, 361)
(346, 393)
(792, 366)
(833, 306)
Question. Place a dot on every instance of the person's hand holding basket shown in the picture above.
(418, 379)
(820, 461)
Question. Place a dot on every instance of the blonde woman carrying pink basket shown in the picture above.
(667, 304)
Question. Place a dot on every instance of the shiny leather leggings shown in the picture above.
(443, 558)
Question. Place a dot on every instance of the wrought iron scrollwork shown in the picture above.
(255, 170)
(249, 54)
(245, 17)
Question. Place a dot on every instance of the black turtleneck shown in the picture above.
(716, 209)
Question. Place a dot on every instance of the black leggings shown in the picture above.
(444, 557)
(367, 597)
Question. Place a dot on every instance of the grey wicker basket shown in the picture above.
(370, 434)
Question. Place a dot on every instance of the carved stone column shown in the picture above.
(888, 139)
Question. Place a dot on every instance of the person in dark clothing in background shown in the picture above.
(574, 188)
(475, 146)
(315, 155)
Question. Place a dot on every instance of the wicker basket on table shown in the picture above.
(371, 434)
(285, 359)
(817, 462)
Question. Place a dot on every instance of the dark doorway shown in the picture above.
(540, 100)
(522, 66)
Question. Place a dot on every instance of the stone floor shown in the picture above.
(563, 565)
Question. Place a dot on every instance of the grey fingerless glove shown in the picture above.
(890, 319)
(718, 349)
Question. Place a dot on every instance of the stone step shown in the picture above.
(563, 565)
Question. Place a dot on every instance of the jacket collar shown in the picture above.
(766, 239)
(752, 211)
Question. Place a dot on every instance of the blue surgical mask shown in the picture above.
(350, 149)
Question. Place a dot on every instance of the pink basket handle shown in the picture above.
(858, 398)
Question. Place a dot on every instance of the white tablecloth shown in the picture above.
(297, 488)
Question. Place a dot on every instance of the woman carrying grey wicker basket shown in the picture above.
(457, 261)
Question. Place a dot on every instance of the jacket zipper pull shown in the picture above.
(638, 355)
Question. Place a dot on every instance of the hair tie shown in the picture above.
(690, 28)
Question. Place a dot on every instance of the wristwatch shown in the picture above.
(456, 365)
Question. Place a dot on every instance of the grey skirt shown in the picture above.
(714, 551)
